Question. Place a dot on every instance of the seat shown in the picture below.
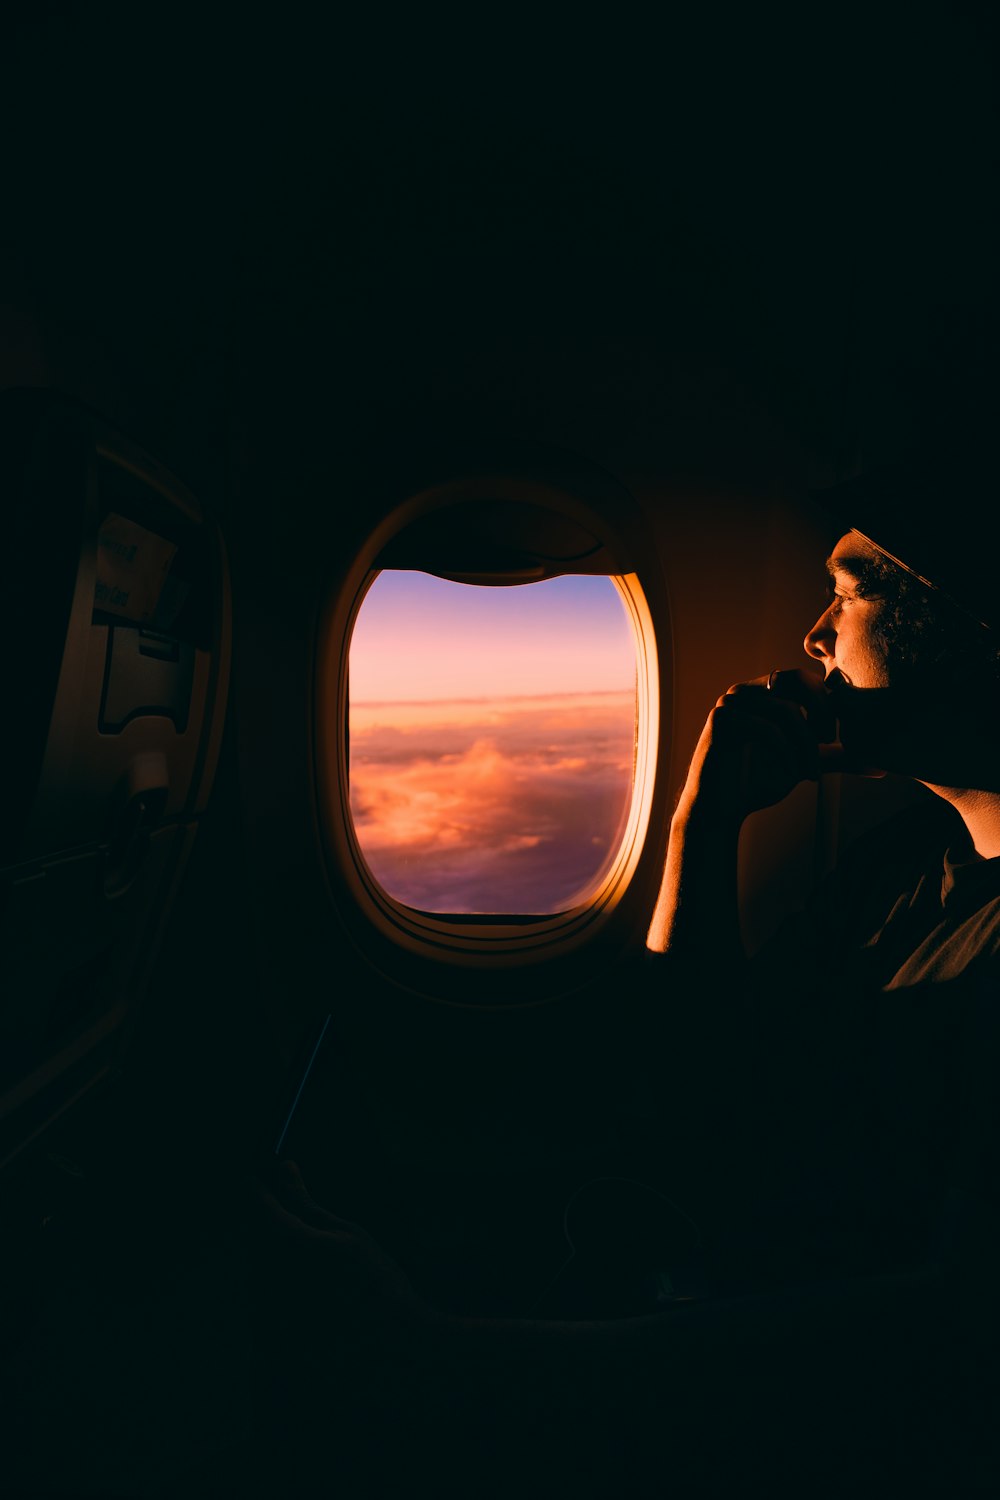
(116, 677)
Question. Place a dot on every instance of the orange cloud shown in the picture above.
(517, 819)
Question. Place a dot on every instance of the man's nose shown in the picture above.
(819, 640)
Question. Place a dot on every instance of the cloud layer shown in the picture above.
(511, 807)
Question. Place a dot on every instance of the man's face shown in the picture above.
(885, 720)
(843, 638)
(891, 717)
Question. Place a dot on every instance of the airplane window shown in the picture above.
(492, 740)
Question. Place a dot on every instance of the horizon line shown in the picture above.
(492, 699)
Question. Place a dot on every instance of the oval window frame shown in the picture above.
(436, 950)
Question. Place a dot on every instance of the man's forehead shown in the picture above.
(850, 554)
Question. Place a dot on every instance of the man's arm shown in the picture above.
(697, 909)
(754, 748)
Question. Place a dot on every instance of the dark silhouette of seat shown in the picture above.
(115, 685)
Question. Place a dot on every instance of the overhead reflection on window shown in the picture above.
(492, 741)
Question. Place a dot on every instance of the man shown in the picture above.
(840, 1084)
(869, 1012)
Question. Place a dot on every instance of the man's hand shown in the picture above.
(760, 740)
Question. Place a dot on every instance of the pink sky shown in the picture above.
(491, 740)
(422, 638)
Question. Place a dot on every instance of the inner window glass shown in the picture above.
(491, 740)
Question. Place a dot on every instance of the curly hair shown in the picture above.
(921, 630)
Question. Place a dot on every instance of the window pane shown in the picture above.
(492, 740)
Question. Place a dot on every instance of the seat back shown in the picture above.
(116, 677)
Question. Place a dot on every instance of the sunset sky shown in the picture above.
(418, 637)
(491, 740)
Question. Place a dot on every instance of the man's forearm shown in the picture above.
(697, 911)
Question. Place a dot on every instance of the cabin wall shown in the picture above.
(742, 570)
(298, 478)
